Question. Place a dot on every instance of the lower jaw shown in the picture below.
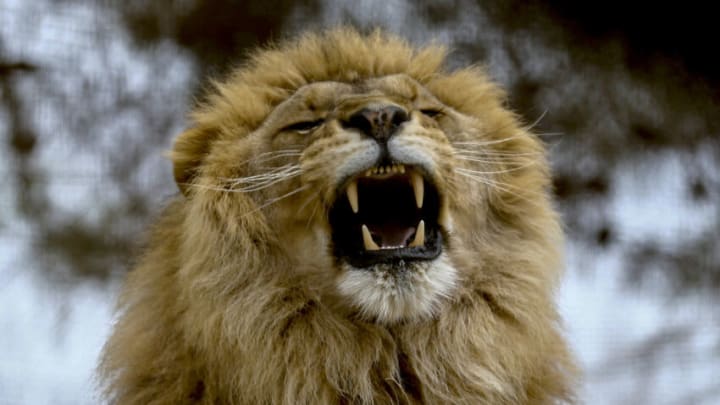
(395, 258)
(399, 259)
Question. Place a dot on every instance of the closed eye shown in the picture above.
(431, 112)
(303, 127)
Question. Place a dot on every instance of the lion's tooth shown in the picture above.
(368, 240)
(402, 168)
(419, 235)
(418, 187)
(352, 195)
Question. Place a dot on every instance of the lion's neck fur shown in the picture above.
(277, 340)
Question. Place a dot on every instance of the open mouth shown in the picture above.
(384, 215)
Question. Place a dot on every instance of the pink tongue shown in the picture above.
(391, 235)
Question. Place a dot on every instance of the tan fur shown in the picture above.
(238, 299)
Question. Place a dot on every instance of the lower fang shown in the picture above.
(419, 235)
(368, 240)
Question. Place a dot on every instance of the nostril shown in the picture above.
(360, 120)
(397, 116)
(379, 123)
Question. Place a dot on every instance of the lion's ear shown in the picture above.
(187, 155)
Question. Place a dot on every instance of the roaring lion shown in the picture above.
(357, 224)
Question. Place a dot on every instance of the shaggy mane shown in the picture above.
(216, 312)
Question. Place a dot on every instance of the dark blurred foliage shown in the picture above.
(659, 47)
(659, 43)
(216, 32)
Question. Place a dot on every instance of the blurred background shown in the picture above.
(93, 92)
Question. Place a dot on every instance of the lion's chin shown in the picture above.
(401, 291)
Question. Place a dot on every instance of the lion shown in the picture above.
(356, 224)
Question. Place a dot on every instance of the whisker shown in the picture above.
(276, 199)
(270, 175)
(260, 186)
(492, 159)
(253, 183)
(307, 201)
(495, 153)
(267, 156)
(312, 214)
(536, 122)
(496, 162)
(479, 172)
(275, 152)
(232, 190)
(502, 186)
(492, 142)
(515, 136)
(262, 178)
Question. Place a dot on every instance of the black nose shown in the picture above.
(379, 123)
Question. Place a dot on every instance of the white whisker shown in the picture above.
(275, 155)
(507, 139)
(272, 173)
(479, 172)
(312, 214)
(492, 142)
(491, 153)
(268, 156)
(252, 183)
(276, 199)
(536, 122)
(502, 186)
(491, 160)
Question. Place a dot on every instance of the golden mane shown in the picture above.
(221, 310)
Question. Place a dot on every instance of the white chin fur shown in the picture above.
(390, 294)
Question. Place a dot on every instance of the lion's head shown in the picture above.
(350, 204)
(370, 167)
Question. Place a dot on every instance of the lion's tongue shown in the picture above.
(390, 235)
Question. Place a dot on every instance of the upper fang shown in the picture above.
(418, 187)
(352, 195)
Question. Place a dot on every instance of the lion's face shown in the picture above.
(377, 161)
(377, 190)
(359, 182)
